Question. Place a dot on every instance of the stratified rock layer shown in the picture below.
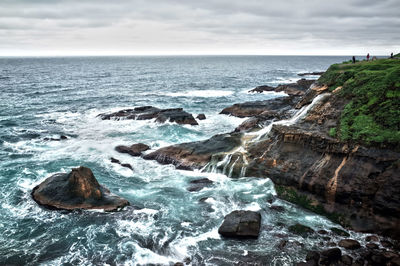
(77, 190)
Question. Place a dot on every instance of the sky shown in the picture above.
(185, 27)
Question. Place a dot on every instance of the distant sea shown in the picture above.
(44, 98)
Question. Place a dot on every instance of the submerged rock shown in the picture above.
(177, 115)
(300, 229)
(199, 184)
(134, 150)
(78, 189)
(330, 255)
(241, 224)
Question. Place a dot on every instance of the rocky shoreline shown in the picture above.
(352, 184)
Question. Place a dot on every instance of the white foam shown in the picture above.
(200, 93)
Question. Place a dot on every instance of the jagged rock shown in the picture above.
(201, 116)
(271, 108)
(149, 112)
(77, 190)
(195, 155)
(349, 244)
(113, 160)
(300, 229)
(311, 74)
(134, 150)
(241, 224)
(199, 184)
(262, 88)
(277, 208)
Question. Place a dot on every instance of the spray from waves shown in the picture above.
(237, 160)
(201, 93)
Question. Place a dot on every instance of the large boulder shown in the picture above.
(241, 224)
(78, 189)
(177, 115)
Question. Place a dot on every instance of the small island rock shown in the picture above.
(241, 224)
(78, 189)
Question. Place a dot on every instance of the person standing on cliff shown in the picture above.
(368, 57)
(354, 59)
(391, 55)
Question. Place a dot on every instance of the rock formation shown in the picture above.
(78, 189)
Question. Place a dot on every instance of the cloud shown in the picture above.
(185, 27)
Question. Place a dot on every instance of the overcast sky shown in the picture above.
(76, 27)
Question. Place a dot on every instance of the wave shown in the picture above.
(200, 93)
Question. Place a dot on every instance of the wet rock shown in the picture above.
(195, 155)
(312, 255)
(78, 189)
(113, 160)
(330, 256)
(262, 88)
(301, 230)
(349, 244)
(372, 239)
(310, 74)
(134, 150)
(339, 232)
(149, 112)
(282, 244)
(269, 109)
(199, 184)
(241, 224)
(179, 264)
(252, 123)
(62, 137)
(386, 244)
(372, 246)
(127, 165)
(201, 116)
(277, 208)
(322, 232)
(347, 260)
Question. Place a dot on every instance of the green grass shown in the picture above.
(372, 116)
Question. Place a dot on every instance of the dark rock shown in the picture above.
(113, 160)
(178, 264)
(199, 184)
(201, 116)
(395, 261)
(277, 208)
(330, 255)
(295, 89)
(311, 74)
(134, 150)
(300, 229)
(149, 112)
(322, 232)
(127, 165)
(349, 244)
(339, 232)
(262, 88)
(312, 255)
(63, 137)
(195, 155)
(77, 190)
(372, 246)
(271, 108)
(241, 224)
(282, 244)
(372, 238)
(347, 260)
(252, 123)
(386, 244)
(307, 263)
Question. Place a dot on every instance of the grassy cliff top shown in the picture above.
(372, 116)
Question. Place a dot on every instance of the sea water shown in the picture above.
(49, 97)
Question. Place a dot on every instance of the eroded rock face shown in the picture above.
(241, 224)
(293, 89)
(134, 150)
(195, 155)
(177, 115)
(77, 190)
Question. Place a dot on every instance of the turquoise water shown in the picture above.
(48, 97)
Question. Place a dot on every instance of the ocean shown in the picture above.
(44, 98)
